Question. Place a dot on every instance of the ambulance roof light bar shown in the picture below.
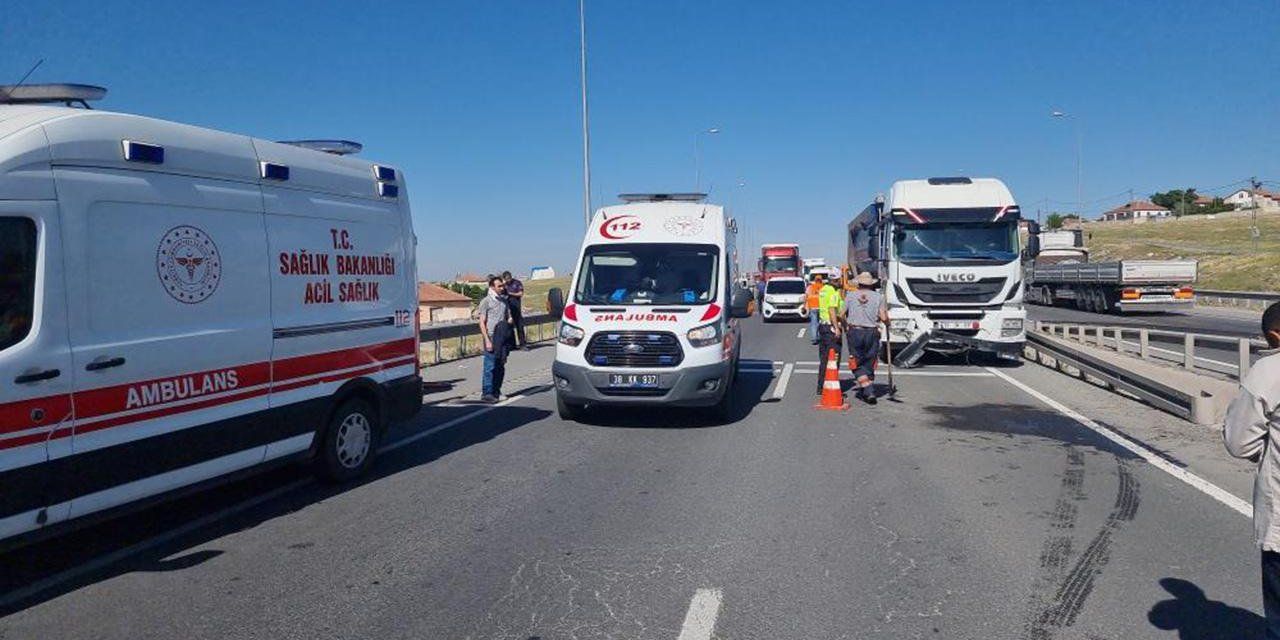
(335, 147)
(662, 197)
(68, 94)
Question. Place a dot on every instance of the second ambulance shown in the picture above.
(652, 317)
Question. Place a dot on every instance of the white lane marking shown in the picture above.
(802, 332)
(700, 619)
(96, 564)
(780, 389)
(808, 364)
(1204, 486)
(944, 374)
(447, 424)
(812, 372)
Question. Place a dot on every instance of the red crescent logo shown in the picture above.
(619, 228)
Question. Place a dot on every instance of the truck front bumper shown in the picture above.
(697, 386)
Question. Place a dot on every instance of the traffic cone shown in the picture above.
(832, 398)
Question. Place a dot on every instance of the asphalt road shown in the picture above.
(971, 508)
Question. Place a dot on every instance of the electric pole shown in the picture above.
(1253, 197)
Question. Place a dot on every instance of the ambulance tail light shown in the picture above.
(417, 338)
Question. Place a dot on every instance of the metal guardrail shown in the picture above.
(1153, 392)
(1137, 341)
(1247, 299)
(538, 327)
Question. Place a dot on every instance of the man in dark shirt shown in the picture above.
(515, 298)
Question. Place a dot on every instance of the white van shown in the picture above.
(784, 299)
(651, 318)
(177, 304)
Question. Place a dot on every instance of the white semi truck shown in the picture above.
(946, 252)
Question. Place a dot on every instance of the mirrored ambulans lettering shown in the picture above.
(304, 262)
(635, 317)
(161, 391)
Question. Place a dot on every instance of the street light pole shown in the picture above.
(1075, 122)
(697, 157)
(586, 130)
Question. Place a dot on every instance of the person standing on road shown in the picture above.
(811, 303)
(829, 328)
(515, 297)
(494, 312)
(864, 311)
(1253, 421)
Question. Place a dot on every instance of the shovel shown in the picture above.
(888, 348)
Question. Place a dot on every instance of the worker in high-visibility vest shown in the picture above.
(830, 328)
(811, 303)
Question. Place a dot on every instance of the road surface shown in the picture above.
(990, 502)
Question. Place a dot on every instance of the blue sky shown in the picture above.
(821, 104)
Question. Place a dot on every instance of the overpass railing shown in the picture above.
(1227, 355)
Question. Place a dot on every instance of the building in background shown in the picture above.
(1136, 210)
(471, 278)
(439, 304)
(1244, 199)
(541, 273)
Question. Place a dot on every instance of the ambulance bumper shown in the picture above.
(697, 386)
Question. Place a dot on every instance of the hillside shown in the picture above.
(1223, 246)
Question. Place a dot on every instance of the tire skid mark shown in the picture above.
(1057, 547)
(1074, 590)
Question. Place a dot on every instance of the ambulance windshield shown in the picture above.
(17, 279)
(648, 274)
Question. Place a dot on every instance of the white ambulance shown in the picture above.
(178, 304)
(652, 315)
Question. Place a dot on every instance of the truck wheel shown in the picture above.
(568, 410)
(350, 441)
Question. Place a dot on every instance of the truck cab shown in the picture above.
(946, 251)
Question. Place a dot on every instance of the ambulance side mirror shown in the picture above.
(555, 302)
(740, 306)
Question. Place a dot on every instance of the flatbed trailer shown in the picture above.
(1117, 286)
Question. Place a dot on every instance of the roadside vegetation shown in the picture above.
(1223, 245)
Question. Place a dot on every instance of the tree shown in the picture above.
(1182, 202)
(1054, 221)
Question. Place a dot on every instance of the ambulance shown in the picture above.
(651, 318)
(179, 304)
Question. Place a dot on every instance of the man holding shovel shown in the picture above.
(864, 310)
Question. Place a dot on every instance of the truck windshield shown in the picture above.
(784, 287)
(974, 242)
(648, 274)
(17, 279)
(775, 264)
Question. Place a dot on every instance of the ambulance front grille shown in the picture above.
(640, 349)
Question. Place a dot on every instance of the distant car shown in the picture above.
(784, 298)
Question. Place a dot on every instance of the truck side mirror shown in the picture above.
(555, 302)
(740, 306)
(1033, 245)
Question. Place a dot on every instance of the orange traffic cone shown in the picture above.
(832, 398)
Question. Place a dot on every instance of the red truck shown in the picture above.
(779, 260)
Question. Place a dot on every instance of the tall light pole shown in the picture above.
(1076, 123)
(697, 157)
(586, 119)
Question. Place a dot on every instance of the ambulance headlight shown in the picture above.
(571, 335)
(705, 336)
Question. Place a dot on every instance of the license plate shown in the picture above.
(638, 380)
(954, 324)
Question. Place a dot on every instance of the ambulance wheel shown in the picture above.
(349, 442)
(568, 410)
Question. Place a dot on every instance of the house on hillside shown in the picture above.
(1136, 210)
(471, 278)
(1244, 199)
(438, 304)
(1203, 201)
